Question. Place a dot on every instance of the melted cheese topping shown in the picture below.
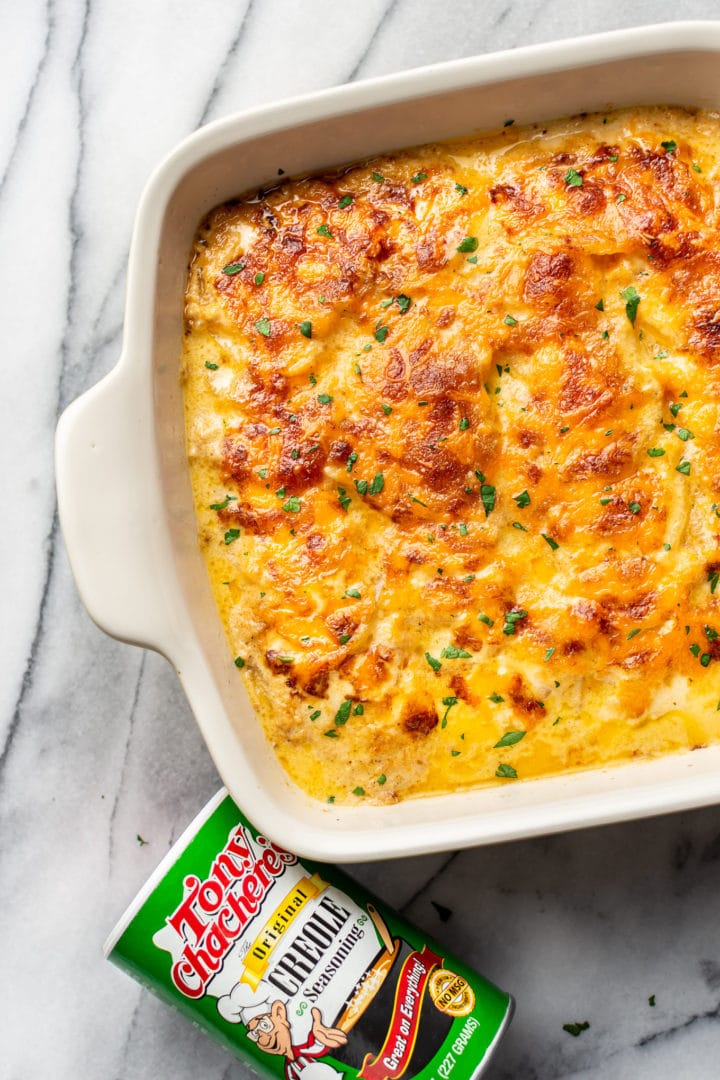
(454, 434)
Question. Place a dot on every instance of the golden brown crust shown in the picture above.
(456, 412)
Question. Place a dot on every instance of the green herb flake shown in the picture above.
(487, 496)
(387, 409)
(259, 278)
(508, 123)
(651, 1001)
(632, 301)
(210, 366)
(434, 664)
(361, 486)
(324, 230)
(621, 198)
(331, 734)
(354, 593)
(231, 534)
(305, 328)
(418, 177)
(669, 146)
(576, 1028)
(377, 484)
(239, 662)
(472, 259)
(497, 699)
(509, 739)
(359, 791)
(345, 201)
(655, 451)
(511, 618)
(352, 458)
(549, 652)
(233, 268)
(469, 244)
(325, 399)
(683, 467)
(380, 332)
(464, 424)
(454, 652)
(382, 779)
(343, 498)
(522, 500)
(509, 321)
(263, 327)
(506, 772)
(573, 178)
(519, 526)
(314, 715)
(461, 189)
(684, 434)
(343, 714)
(292, 506)
(377, 177)
(633, 633)
(634, 507)
(549, 540)
(600, 305)
(486, 619)
(696, 167)
(223, 504)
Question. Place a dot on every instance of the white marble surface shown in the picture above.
(97, 743)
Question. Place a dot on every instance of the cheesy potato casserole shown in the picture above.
(454, 434)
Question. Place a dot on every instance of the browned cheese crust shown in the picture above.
(452, 420)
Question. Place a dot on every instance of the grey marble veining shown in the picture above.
(97, 743)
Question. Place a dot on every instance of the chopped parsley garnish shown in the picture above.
(510, 738)
(358, 710)
(263, 327)
(497, 699)
(684, 434)
(523, 499)
(387, 409)
(463, 529)
(324, 230)
(713, 579)
(354, 593)
(361, 486)
(669, 146)
(621, 198)
(434, 664)
(486, 619)
(312, 379)
(331, 734)
(382, 778)
(675, 408)
(221, 505)
(461, 189)
(352, 458)
(464, 424)
(518, 525)
(233, 268)
(632, 300)
(454, 652)
(683, 467)
(511, 618)
(573, 178)
(381, 332)
(696, 167)
(600, 305)
(418, 177)
(231, 534)
(377, 484)
(292, 506)
(549, 652)
(403, 302)
(345, 201)
(506, 772)
(280, 493)
(378, 178)
(469, 244)
(577, 1028)
(633, 633)
(418, 501)
(343, 498)
(509, 321)
(210, 366)
(634, 507)
(359, 791)
(487, 495)
(239, 662)
(549, 540)
(324, 399)
(259, 278)
(508, 123)
(305, 328)
(448, 702)
(343, 714)
(651, 1001)
(655, 451)
(344, 638)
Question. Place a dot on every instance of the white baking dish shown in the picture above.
(124, 492)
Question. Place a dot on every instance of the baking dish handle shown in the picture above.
(106, 482)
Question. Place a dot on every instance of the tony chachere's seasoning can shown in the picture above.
(296, 969)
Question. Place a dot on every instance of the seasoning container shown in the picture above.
(296, 969)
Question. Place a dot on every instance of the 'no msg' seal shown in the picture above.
(296, 969)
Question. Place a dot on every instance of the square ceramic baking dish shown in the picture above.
(133, 545)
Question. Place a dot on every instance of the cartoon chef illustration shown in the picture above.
(268, 1026)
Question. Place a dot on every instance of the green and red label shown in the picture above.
(299, 971)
